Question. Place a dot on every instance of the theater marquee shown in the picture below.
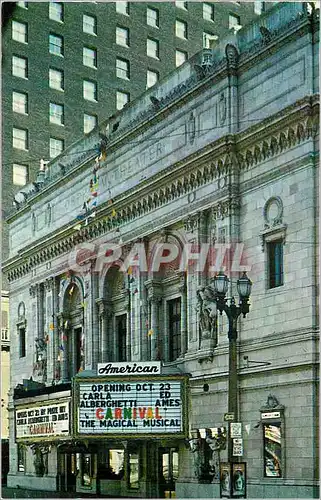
(133, 406)
(46, 421)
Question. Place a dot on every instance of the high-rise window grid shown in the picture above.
(152, 78)
(181, 5)
(153, 48)
(90, 57)
(152, 17)
(20, 138)
(20, 102)
(19, 174)
(122, 36)
(258, 7)
(208, 11)
(233, 21)
(20, 66)
(122, 68)
(180, 57)
(56, 79)
(122, 8)
(90, 90)
(181, 29)
(56, 147)
(56, 45)
(56, 11)
(19, 32)
(56, 113)
(122, 98)
(209, 40)
(90, 122)
(89, 24)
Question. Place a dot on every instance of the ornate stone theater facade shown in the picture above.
(119, 358)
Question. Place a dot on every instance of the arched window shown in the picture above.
(117, 317)
(71, 350)
(167, 301)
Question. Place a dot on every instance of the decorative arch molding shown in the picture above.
(104, 276)
(64, 285)
(165, 237)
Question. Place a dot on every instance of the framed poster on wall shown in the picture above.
(225, 480)
(239, 480)
(232, 480)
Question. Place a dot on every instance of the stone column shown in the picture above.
(192, 236)
(154, 299)
(62, 352)
(53, 334)
(154, 303)
(40, 309)
(90, 348)
(232, 98)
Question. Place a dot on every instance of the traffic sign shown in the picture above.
(229, 416)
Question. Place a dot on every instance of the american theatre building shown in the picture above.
(125, 378)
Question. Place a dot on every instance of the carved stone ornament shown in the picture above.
(206, 453)
(191, 128)
(33, 291)
(271, 404)
(222, 108)
(232, 54)
(273, 212)
(191, 223)
(40, 459)
(21, 311)
(33, 223)
(274, 228)
(221, 210)
(266, 35)
(207, 313)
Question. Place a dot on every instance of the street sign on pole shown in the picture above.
(236, 429)
(229, 417)
(237, 447)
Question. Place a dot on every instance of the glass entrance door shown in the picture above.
(67, 472)
(168, 472)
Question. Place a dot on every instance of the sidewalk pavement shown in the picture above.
(23, 493)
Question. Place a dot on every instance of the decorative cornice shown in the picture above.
(274, 135)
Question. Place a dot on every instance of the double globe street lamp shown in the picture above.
(232, 311)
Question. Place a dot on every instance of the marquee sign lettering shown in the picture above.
(139, 368)
(42, 421)
(134, 407)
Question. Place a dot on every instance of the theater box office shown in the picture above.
(133, 420)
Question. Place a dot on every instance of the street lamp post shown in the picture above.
(232, 312)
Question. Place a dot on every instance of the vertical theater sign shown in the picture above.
(130, 399)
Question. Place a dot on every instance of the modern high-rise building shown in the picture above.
(67, 66)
